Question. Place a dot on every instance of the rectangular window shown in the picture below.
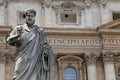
(68, 18)
(116, 15)
(20, 17)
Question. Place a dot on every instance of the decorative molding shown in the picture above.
(90, 59)
(69, 60)
(6, 56)
(48, 4)
(108, 56)
(2, 57)
(68, 6)
(2, 2)
(88, 3)
(117, 58)
(10, 58)
(102, 2)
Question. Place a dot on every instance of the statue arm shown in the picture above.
(14, 38)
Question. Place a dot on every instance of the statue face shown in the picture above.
(30, 19)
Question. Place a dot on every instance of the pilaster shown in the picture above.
(2, 66)
(91, 67)
(88, 13)
(48, 12)
(108, 59)
(7, 61)
(105, 12)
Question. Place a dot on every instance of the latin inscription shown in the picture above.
(61, 41)
(65, 41)
(111, 40)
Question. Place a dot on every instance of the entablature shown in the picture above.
(76, 40)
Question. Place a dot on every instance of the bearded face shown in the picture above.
(30, 19)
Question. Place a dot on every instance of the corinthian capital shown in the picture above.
(6, 56)
(102, 2)
(90, 59)
(2, 57)
(48, 4)
(88, 3)
(108, 56)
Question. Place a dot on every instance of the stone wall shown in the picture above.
(90, 14)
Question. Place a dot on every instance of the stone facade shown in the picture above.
(89, 43)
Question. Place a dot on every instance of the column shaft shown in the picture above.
(108, 59)
(91, 67)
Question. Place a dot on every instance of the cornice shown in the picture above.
(70, 31)
(108, 25)
(64, 6)
(110, 31)
(5, 29)
(110, 28)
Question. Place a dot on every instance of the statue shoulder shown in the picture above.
(39, 28)
(19, 26)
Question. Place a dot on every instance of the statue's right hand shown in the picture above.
(19, 28)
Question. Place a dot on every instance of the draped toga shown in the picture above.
(33, 54)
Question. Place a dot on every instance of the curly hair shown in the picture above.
(30, 11)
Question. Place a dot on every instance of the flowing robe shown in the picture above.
(34, 55)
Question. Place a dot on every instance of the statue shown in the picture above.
(33, 54)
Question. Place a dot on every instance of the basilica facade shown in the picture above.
(84, 35)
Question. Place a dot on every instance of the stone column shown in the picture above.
(5, 12)
(91, 67)
(2, 66)
(106, 14)
(108, 59)
(88, 13)
(7, 61)
(9, 66)
(48, 13)
(2, 2)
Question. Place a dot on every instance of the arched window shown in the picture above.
(70, 73)
(119, 73)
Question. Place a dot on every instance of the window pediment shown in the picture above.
(111, 27)
(69, 58)
(68, 6)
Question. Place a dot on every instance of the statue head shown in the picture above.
(30, 16)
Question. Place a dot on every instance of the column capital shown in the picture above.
(6, 56)
(2, 2)
(2, 57)
(102, 2)
(117, 58)
(90, 59)
(108, 56)
(48, 4)
(10, 58)
(87, 3)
